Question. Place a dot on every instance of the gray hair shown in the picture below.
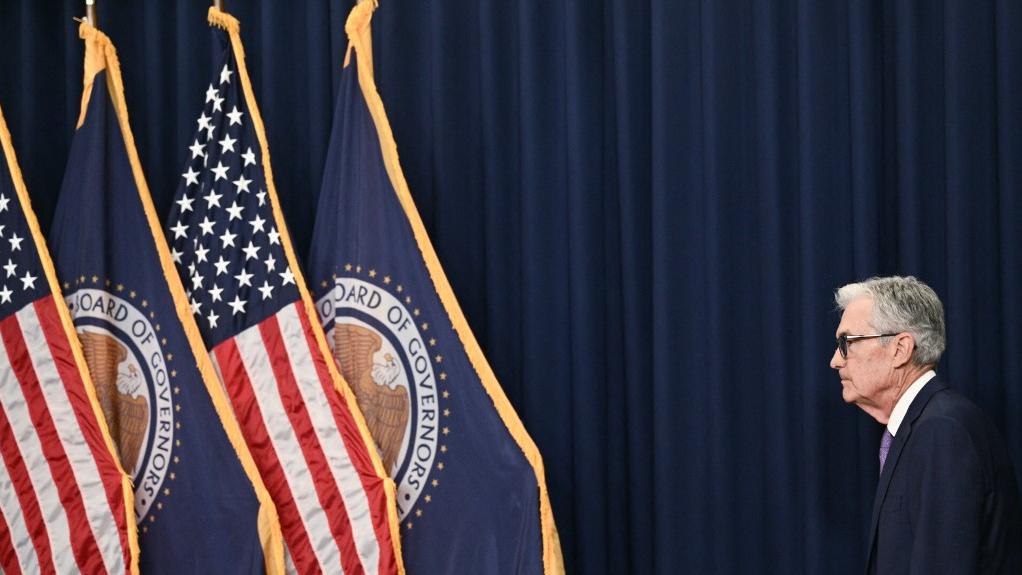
(903, 304)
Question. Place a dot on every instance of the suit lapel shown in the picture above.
(904, 432)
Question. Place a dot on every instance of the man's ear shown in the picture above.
(903, 345)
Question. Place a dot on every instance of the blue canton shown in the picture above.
(221, 228)
(21, 277)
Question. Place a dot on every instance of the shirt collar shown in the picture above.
(901, 408)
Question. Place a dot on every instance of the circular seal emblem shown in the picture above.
(129, 372)
(381, 354)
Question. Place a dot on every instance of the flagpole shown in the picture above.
(90, 13)
(219, 5)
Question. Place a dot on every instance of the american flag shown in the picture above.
(234, 257)
(63, 504)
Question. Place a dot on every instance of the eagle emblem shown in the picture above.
(383, 401)
(121, 392)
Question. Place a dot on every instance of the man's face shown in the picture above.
(867, 374)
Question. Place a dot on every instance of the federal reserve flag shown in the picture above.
(200, 504)
(470, 490)
(65, 503)
(232, 250)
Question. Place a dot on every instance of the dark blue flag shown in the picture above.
(200, 504)
(470, 489)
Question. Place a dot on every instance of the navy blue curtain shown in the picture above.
(644, 207)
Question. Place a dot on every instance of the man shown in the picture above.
(947, 500)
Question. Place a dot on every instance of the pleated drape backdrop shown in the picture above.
(644, 207)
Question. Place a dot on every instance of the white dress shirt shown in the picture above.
(901, 408)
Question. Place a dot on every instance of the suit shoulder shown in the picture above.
(951, 420)
(948, 426)
(950, 406)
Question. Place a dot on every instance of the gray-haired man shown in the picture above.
(947, 500)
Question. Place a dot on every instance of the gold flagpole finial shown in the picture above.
(90, 13)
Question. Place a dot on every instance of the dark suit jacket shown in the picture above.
(947, 501)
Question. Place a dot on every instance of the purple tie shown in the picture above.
(885, 447)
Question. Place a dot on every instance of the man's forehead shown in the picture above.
(858, 315)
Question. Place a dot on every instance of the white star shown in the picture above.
(5, 295)
(225, 75)
(218, 103)
(221, 171)
(270, 263)
(191, 177)
(191, 268)
(227, 144)
(209, 133)
(200, 254)
(237, 305)
(249, 157)
(196, 305)
(28, 281)
(212, 317)
(262, 197)
(197, 281)
(244, 279)
(211, 93)
(4, 200)
(274, 236)
(215, 292)
(186, 203)
(266, 289)
(242, 184)
(206, 225)
(176, 255)
(257, 224)
(251, 251)
(15, 242)
(204, 121)
(212, 198)
(197, 150)
(2, 230)
(10, 267)
(287, 276)
(180, 230)
(221, 265)
(228, 238)
(235, 212)
(235, 116)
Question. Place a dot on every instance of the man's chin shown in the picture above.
(847, 394)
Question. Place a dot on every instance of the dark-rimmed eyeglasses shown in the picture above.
(844, 339)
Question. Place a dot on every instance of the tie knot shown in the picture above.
(885, 447)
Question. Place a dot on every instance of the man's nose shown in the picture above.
(836, 361)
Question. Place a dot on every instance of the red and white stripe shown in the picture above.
(317, 468)
(62, 504)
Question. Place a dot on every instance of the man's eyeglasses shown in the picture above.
(844, 339)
